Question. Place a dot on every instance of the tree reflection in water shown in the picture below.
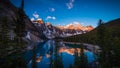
(80, 60)
(56, 62)
(58, 57)
(14, 61)
(34, 64)
(53, 54)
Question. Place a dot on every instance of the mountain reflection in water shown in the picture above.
(56, 55)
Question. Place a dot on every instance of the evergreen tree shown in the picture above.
(57, 63)
(116, 51)
(4, 30)
(83, 58)
(81, 61)
(4, 37)
(104, 39)
(20, 23)
(34, 64)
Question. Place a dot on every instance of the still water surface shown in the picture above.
(57, 55)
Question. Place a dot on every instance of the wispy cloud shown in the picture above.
(36, 15)
(52, 9)
(70, 4)
(32, 19)
(50, 17)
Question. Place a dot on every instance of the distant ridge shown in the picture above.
(113, 26)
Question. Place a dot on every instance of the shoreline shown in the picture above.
(90, 47)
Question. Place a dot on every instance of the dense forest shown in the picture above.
(107, 36)
(15, 26)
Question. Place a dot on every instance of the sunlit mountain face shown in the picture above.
(71, 51)
(71, 26)
(76, 26)
(48, 51)
(38, 21)
(32, 32)
(53, 31)
(68, 50)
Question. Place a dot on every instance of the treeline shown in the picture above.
(107, 36)
(12, 44)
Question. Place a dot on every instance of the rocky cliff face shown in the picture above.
(51, 31)
(10, 12)
(74, 29)
(37, 29)
(76, 26)
(47, 29)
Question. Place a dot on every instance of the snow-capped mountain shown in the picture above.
(51, 31)
(12, 14)
(74, 29)
(76, 26)
(47, 29)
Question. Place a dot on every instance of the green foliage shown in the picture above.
(4, 30)
(11, 49)
(116, 51)
(57, 62)
(20, 24)
(14, 62)
(107, 36)
(4, 37)
(80, 60)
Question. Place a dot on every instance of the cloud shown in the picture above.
(36, 15)
(52, 9)
(70, 4)
(53, 18)
(50, 17)
(39, 19)
(32, 19)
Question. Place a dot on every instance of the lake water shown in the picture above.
(51, 54)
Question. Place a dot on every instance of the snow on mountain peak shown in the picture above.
(76, 26)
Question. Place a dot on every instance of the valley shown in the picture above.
(31, 39)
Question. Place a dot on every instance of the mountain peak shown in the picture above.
(48, 24)
(76, 26)
(39, 21)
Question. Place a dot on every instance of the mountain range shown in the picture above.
(11, 13)
(111, 28)
(76, 26)
(51, 31)
(37, 30)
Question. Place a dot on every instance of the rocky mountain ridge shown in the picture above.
(36, 30)
(76, 26)
(11, 13)
(51, 31)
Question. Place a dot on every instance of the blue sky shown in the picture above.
(63, 12)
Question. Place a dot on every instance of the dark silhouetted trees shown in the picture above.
(20, 23)
(57, 62)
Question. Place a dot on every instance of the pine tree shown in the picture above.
(104, 39)
(116, 51)
(4, 37)
(20, 22)
(81, 61)
(57, 63)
